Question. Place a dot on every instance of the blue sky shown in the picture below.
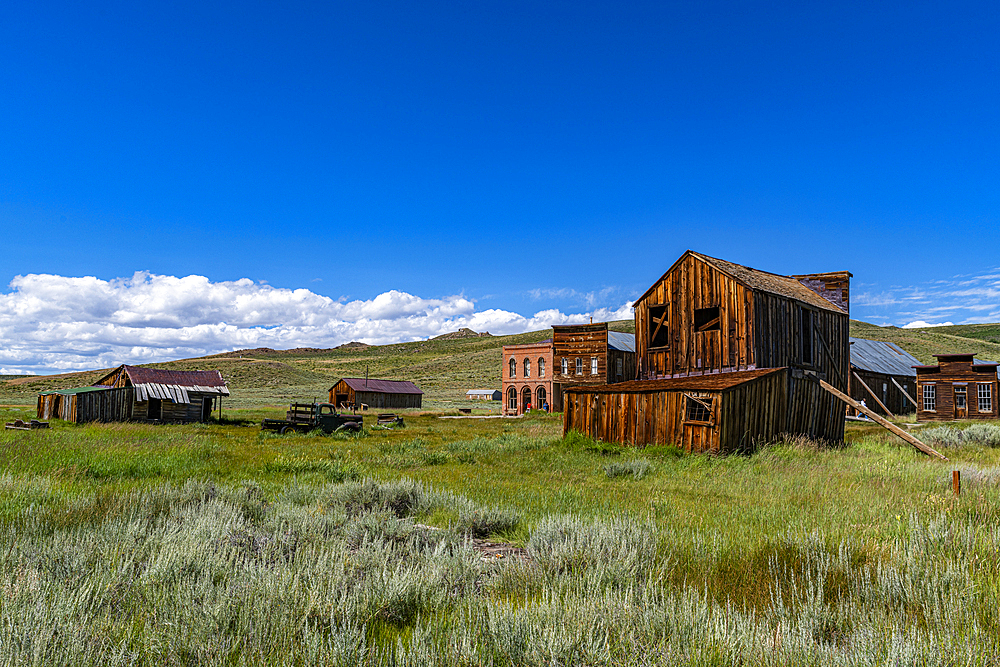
(503, 164)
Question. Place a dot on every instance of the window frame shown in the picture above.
(593, 365)
(928, 392)
(663, 311)
(564, 366)
(527, 367)
(988, 386)
(579, 365)
(693, 404)
(541, 367)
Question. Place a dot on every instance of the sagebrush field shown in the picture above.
(217, 544)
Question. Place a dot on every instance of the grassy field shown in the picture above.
(217, 544)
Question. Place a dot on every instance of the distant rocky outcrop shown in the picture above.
(353, 345)
(464, 332)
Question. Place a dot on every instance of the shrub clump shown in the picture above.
(984, 435)
(637, 468)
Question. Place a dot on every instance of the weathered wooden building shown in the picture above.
(589, 354)
(720, 413)
(883, 376)
(139, 394)
(356, 393)
(958, 387)
(527, 377)
(707, 316)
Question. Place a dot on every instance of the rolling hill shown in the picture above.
(444, 367)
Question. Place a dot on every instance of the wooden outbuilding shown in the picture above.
(883, 376)
(589, 354)
(706, 316)
(958, 387)
(134, 393)
(702, 414)
(355, 393)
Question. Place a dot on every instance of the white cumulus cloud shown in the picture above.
(920, 324)
(55, 323)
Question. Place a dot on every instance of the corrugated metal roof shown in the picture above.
(382, 386)
(139, 375)
(72, 390)
(624, 342)
(882, 357)
(482, 392)
(714, 382)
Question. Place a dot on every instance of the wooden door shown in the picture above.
(961, 402)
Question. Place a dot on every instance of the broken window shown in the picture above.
(618, 367)
(806, 325)
(698, 409)
(706, 319)
(659, 334)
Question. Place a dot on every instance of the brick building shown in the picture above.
(527, 377)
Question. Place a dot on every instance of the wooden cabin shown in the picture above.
(589, 354)
(707, 316)
(701, 414)
(883, 376)
(134, 393)
(958, 387)
(355, 393)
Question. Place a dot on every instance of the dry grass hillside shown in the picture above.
(444, 367)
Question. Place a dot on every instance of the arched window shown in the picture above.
(541, 404)
(512, 399)
(513, 368)
(526, 399)
(541, 368)
(565, 366)
(527, 368)
(579, 366)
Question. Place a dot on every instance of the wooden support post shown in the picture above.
(908, 397)
(873, 395)
(956, 482)
(881, 421)
(826, 348)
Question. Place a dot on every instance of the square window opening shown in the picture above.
(706, 319)
(698, 409)
(659, 333)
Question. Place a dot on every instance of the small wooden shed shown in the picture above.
(356, 392)
(137, 393)
(721, 413)
(883, 376)
(958, 387)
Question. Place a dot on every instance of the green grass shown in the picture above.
(219, 544)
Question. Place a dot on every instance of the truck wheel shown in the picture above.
(285, 430)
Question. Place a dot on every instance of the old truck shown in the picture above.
(304, 417)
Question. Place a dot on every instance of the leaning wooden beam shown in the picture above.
(908, 397)
(878, 419)
(881, 405)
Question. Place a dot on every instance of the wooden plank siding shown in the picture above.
(888, 393)
(692, 285)
(108, 405)
(957, 371)
(343, 394)
(742, 416)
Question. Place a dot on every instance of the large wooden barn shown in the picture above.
(957, 387)
(354, 393)
(883, 376)
(707, 316)
(139, 394)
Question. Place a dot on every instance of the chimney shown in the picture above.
(833, 286)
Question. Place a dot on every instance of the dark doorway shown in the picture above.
(206, 408)
(155, 409)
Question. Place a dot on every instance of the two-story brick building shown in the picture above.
(527, 377)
